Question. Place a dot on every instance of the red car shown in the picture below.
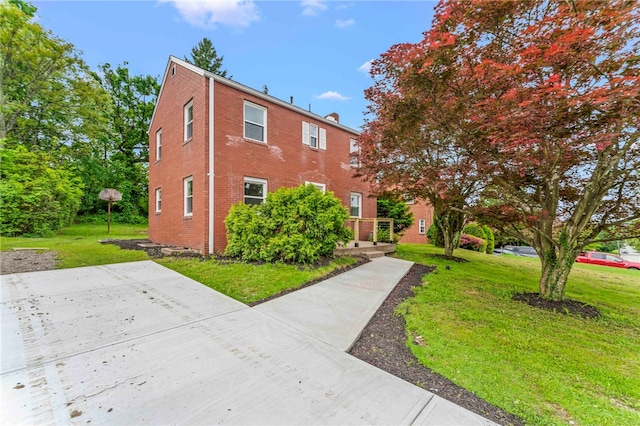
(606, 259)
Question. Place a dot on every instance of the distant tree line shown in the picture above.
(67, 132)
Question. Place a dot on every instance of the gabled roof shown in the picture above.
(246, 89)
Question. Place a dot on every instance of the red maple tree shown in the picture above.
(548, 111)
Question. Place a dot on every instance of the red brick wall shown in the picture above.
(421, 210)
(179, 160)
(282, 161)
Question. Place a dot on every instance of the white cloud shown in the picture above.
(313, 7)
(333, 96)
(210, 13)
(366, 67)
(342, 23)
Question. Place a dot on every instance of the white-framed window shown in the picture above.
(314, 136)
(355, 204)
(353, 153)
(421, 226)
(255, 122)
(158, 144)
(255, 190)
(158, 200)
(321, 186)
(173, 71)
(188, 121)
(188, 196)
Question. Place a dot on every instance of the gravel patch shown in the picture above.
(13, 262)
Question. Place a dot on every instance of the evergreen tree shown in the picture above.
(205, 56)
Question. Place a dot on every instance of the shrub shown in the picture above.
(491, 240)
(392, 206)
(435, 236)
(470, 242)
(37, 196)
(476, 230)
(298, 225)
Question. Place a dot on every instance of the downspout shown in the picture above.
(211, 157)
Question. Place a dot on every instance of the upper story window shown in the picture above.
(188, 121)
(255, 190)
(255, 122)
(314, 136)
(158, 144)
(421, 226)
(353, 153)
(355, 204)
(188, 196)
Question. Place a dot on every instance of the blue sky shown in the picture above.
(315, 51)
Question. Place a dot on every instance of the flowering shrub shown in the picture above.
(469, 242)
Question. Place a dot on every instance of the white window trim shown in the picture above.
(321, 186)
(186, 196)
(359, 195)
(258, 181)
(321, 136)
(158, 144)
(313, 128)
(158, 200)
(422, 224)
(186, 123)
(264, 118)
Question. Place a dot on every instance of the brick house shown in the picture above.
(214, 142)
(423, 218)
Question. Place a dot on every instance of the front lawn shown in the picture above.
(247, 282)
(78, 245)
(545, 367)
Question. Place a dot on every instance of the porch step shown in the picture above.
(170, 251)
(372, 254)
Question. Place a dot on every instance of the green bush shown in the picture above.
(116, 217)
(37, 197)
(299, 225)
(392, 206)
(435, 235)
(476, 230)
(491, 239)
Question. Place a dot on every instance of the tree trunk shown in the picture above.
(451, 224)
(555, 272)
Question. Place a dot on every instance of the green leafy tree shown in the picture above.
(205, 56)
(118, 157)
(299, 225)
(37, 194)
(48, 99)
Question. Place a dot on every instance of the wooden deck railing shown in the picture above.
(356, 227)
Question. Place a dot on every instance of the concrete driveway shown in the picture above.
(139, 343)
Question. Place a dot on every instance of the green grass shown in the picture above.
(545, 367)
(247, 282)
(78, 245)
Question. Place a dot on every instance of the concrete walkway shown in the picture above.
(139, 343)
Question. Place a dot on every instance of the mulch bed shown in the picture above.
(566, 306)
(383, 344)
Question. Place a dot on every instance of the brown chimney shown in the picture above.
(333, 117)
